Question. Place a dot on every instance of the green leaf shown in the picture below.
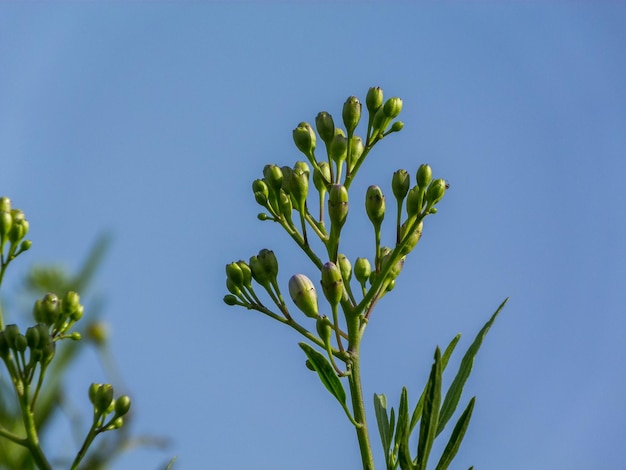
(402, 432)
(171, 463)
(456, 388)
(457, 436)
(380, 408)
(326, 373)
(417, 412)
(430, 415)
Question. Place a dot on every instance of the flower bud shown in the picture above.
(32, 337)
(268, 262)
(25, 246)
(299, 187)
(345, 267)
(19, 226)
(338, 148)
(374, 99)
(324, 329)
(392, 107)
(414, 237)
(234, 274)
(325, 127)
(303, 294)
(261, 192)
(395, 269)
(93, 392)
(302, 166)
(4, 345)
(273, 177)
(332, 283)
(49, 306)
(356, 148)
(396, 127)
(103, 398)
(74, 336)
(414, 201)
(286, 207)
(230, 299)
(5, 204)
(233, 288)
(362, 270)
(71, 302)
(122, 405)
(98, 333)
(375, 205)
(21, 343)
(400, 183)
(247, 273)
(11, 332)
(286, 185)
(338, 205)
(321, 177)
(6, 221)
(47, 352)
(304, 138)
(351, 114)
(424, 175)
(435, 191)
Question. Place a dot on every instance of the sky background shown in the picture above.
(150, 121)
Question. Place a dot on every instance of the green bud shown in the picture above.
(19, 226)
(304, 138)
(332, 283)
(325, 127)
(375, 205)
(395, 269)
(49, 309)
(302, 166)
(71, 302)
(286, 207)
(232, 288)
(303, 294)
(374, 99)
(339, 148)
(400, 183)
(122, 405)
(362, 270)
(321, 177)
(414, 237)
(396, 127)
(6, 221)
(435, 191)
(5, 204)
(268, 262)
(247, 273)
(93, 392)
(324, 329)
(345, 267)
(47, 352)
(351, 113)
(21, 343)
(258, 273)
(25, 246)
(230, 299)
(234, 274)
(11, 332)
(424, 175)
(273, 176)
(392, 107)
(356, 150)
(261, 192)
(74, 336)
(104, 398)
(338, 205)
(44, 335)
(286, 186)
(116, 424)
(32, 337)
(299, 187)
(414, 201)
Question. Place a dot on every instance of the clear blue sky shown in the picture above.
(151, 121)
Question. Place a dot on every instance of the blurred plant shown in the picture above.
(34, 390)
(283, 190)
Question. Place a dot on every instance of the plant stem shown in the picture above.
(32, 440)
(358, 407)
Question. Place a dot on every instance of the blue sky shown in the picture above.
(150, 121)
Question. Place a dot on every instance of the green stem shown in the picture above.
(358, 406)
(32, 440)
(91, 435)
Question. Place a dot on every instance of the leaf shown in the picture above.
(456, 438)
(402, 432)
(430, 415)
(417, 412)
(456, 388)
(326, 373)
(380, 408)
(171, 463)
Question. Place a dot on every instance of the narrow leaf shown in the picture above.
(456, 438)
(380, 408)
(449, 350)
(402, 431)
(326, 373)
(430, 415)
(456, 388)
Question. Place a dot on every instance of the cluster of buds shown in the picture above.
(14, 345)
(13, 229)
(108, 411)
(59, 314)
